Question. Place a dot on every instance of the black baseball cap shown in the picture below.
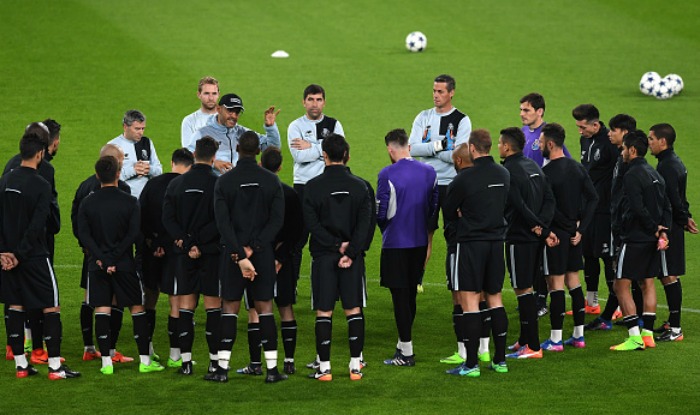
(231, 101)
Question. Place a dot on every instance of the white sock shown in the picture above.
(555, 336)
(55, 362)
(578, 331)
(362, 356)
(106, 361)
(186, 357)
(354, 363)
(21, 361)
(175, 353)
(483, 346)
(27, 334)
(676, 330)
(270, 358)
(461, 350)
(150, 348)
(324, 366)
(592, 298)
(224, 358)
(145, 359)
(213, 356)
(406, 348)
(112, 352)
(634, 331)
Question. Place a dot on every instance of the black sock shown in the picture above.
(35, 320)
(471, 321)
(533, 335)
(674, 300)
(457, 321)
(151, 317)
(86, 313)
(649, 319)
(356, 333)
(289, 338)
(211, 329)
(102, 332)
(578, 305)
(115, 325)
(324, 330)
(254, 343)
(630, 321)
(14, 320)
(522, 315)
(638, 297)
(612, 303)
(53, 331)
(185, 330)
(172, 332)
(228, 330)
(499, 328)
(591, 273)
(141, 332)
(557, 305)
(268, 331)
(485, 323)
(403, 314)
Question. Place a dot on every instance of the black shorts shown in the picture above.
(401, 267)
(84, 273)
(125, 287)
(450, 261)
(562, 258)
(32, 284)
(479, 267)
(329, 282)
(153, 269)
(598, 240)
(195, 276)
(523, 260)
(168, 280)
(433, 221)
(673, 259)
(286, 285)
(233, 284)
(638, 261)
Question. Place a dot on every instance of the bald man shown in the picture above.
(87, 187)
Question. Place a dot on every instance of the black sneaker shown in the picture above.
(401, 360)
(273, 376)
(213, 365)
(663, 328)
(220, 375)
(324, 376)
(63, 372)
(670, 336)
(186, 369)
(23, 372)
(313, 365)
(289, 368)
(252, 369)
(542, 311)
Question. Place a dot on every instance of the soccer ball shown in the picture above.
(646, 84)
(662, 90)
(416, 42)
(676, 83)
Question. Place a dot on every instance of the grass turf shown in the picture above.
(84, 63)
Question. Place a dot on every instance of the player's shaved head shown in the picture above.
(112, 150)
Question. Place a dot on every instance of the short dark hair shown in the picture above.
(271, 159)
(623, 122)
(515, 137)
(481, 140)
(397, 136)
(205, 148)
(182, 157)
(335, 147)
(30, 144)
(555, 133)
(132, 116)
(586, 112)
(535, 99)
(638, 140)
(314, 89)
(106, 169)
(54, 129)
(40, 129)
(666, 131)
(450, 81)
(249, 144)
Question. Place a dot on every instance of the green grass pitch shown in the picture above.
(84, 63)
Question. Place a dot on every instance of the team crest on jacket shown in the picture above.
(596, 155)
(326, 132)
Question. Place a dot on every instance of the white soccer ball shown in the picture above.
(416, 42)
(646, 84)
(675, 81)
(662, 90)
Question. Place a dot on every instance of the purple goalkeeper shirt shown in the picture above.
(532, 144)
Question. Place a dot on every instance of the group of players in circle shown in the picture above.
(223, 226)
